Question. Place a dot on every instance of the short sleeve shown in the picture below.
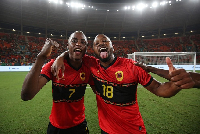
(46, 70)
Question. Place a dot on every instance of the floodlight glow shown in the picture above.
(67, 3)
(108, 10)
(191, 31)
(141, 6)
(39, 33)
(55, 1)
(82, 7)
(61, 35)
(170, 1)
(128, 7)
(155, 4)
(176, 0)
(92, 6)
(179, 0)
(162, 3)
(142, 36)
(125, 7)
(164, 34)
(176, 33)
(117, 10)
(61, 2)
(153, 35)
(76, 4)
(124, 37)
(88, 37)
(96, 9)
(114, 37)
(27, 32)
(13, 29)
(51, 34)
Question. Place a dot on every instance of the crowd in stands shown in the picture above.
(18, 50)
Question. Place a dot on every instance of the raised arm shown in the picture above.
(33, 81)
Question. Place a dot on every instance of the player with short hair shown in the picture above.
(116, 80)
(68, 110)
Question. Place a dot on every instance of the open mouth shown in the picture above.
(103, 53)
(77, 50)
(103, 50)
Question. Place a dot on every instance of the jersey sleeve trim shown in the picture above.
(45, 76)
(151, 79)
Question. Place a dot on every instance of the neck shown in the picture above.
(107, 63)
(75, 63)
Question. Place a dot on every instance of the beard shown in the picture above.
(105, 59)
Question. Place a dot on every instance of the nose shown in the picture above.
(102, 43)
(78, 43)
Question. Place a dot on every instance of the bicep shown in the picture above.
(41, 82)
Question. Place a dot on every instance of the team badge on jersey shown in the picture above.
(119, 75)
(82, 76)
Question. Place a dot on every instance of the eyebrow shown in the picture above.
(76, 38)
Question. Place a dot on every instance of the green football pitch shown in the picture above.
(179, 114)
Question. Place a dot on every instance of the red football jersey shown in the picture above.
(116, 94)
(68, 108)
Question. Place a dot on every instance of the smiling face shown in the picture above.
(103, 48)
(77, 45)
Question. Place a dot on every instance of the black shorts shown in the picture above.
(79, 129)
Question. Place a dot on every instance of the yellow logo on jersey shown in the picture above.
(119, 75)
(82, 76)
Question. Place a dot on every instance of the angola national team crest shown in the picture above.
(119, 75)
(82, 76)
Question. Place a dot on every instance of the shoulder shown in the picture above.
(125, 61)
(49, 63)
(89, 59)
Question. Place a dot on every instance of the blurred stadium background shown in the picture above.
(132, 25)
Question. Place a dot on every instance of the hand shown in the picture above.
(47, 48)
(142, 65)
(181, 78)
(56, 66)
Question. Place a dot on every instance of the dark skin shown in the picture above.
(103, 44)
(181, 78)
(34, 82)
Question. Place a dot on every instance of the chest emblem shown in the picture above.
(82, 76)
(119, 75)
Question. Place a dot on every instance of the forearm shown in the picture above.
(31, 83)
(196, 79)
(159, 72)
(166, 90)
(63, 55)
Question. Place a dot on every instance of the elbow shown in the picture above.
(25, 97)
